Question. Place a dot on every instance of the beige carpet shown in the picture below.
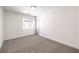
(35, 44)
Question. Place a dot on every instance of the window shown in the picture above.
(28, 24)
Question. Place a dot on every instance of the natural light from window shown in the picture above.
(28, 24)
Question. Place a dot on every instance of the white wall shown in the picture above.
(60, 24)
(78, 27)
(1, 27)
(13, 25)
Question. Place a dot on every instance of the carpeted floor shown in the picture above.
(35, 44)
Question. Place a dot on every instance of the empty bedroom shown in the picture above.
(39, 29)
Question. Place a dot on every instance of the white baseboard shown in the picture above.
(19, 37)
(59, 41)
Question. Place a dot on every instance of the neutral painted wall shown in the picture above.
(60, 24)
(14, 25)
(78, 27)
(1, 27)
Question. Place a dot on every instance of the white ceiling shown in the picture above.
(22, 9)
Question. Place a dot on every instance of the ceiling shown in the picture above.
(22, 9)
(38, 11)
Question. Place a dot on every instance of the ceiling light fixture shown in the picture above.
(33, 7)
